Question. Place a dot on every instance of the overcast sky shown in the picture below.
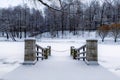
(7, 3)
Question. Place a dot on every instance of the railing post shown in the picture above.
(71, 50)
(30, 51)
(91, 52)
(49, 50)
(42, 54)
(83, 53)
(37, 53)
(74, 53)
(45, 53)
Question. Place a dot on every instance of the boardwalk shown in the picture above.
(60, 66)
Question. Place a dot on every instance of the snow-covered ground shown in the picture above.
(12, 53)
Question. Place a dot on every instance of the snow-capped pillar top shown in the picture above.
(91, 52)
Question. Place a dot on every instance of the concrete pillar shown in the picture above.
(91, 52)
(30, 51)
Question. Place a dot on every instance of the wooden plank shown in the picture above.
(39, 52)
(81, 47)
(40, 57)
(82, 52)
(82, 57)
(39, 47)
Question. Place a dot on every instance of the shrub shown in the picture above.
(103, 31)
(115, 31)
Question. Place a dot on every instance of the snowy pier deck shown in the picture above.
(60, 66)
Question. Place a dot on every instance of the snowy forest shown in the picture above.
(69, 15)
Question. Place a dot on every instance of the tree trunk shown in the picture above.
(102, 40)
(115, 40)
(25, 33)
(7, 35)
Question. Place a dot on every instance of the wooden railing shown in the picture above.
(42, 53)
(79, 53)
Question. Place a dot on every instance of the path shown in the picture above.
(60, 66)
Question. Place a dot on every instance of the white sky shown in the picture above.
(7, 3)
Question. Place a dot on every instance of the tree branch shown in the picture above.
(48, 5)
(60, 10)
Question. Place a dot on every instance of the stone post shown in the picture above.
(91, 52)
(30, 51)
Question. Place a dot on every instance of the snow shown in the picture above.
(60, 68)
(10, 56)
(109, 57)
(60, 64)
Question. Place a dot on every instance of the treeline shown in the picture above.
(75, 15)
(20, 21)
(70, 15)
